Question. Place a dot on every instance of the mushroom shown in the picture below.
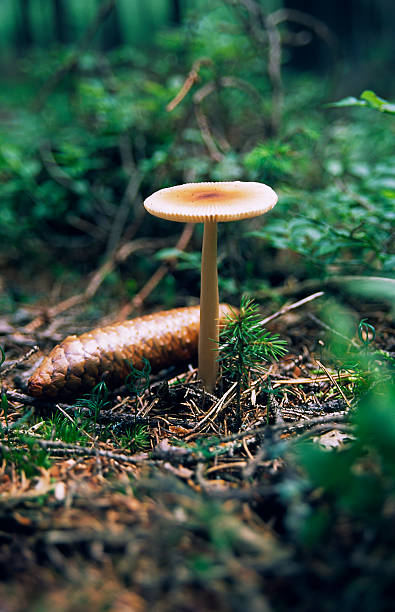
(210, 203)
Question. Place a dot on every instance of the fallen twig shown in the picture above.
(297, 304)
(130, 194)
(219, 405)
(335, 417)
(155, 279)
(120, 255)
(11, 365)
(276, 382)
(192, 78)
(334, 382)
(85, 450)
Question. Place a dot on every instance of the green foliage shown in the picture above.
(345, 223)
(274, 160)
(67, 429)
(368, 99)
(81, 427)
(135, 438)
(18, 450)
(348, 227)
(138, 381)
(95, 401)
(4, 408)
(25, 455)
(70, 163)
(375, 425)
(245, 346)
(68, 168)
(359, 479)
(366, 333)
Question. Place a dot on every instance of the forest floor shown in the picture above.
(166, 507)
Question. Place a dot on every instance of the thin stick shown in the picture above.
(247, 450)
(309, 21)
(129, 196)
(191, 79)
(303, 424)
(226, 466)
(286, 309)
(155, 279)
(216, 408)
(96, 280)
(11, 365)
(84, 450)
(307, 381)
(201, 118)
(70, 418)
(349, 341)
(334, 382)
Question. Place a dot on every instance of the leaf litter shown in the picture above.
(199, 518)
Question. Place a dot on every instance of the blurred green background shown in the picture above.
(103, 102)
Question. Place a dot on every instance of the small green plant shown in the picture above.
(20, 451)
(79, 427)
(95, 401)
(26, 456)
(4, 407)
(367, 364)
(136, 438)
(66, 429)
(138, 381)
(245, 346)
(366, 333)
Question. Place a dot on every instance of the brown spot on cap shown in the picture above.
(209, 195)
(222, 201)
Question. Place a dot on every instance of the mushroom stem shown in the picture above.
(209, 308)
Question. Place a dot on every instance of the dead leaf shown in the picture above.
(333, 439)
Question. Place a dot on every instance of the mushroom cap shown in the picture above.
(221, 201)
